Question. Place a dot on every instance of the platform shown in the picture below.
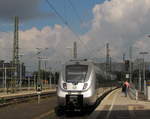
(117, 106)
(20, 93)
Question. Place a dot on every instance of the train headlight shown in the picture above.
(85, 86)
(64, 85)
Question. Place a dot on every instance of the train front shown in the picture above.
(75, 86)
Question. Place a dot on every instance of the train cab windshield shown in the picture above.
(76, 73)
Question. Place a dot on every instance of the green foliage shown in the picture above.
(2, 100)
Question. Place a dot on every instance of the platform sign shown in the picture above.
(28, 75)
(148, 89)
(148, 83)
(39, 88)
(39, 96)
(15, 73)
(127, 76)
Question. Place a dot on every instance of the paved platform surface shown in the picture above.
(117, 106)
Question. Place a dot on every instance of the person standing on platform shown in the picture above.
(125, 88)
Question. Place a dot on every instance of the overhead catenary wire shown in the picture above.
(57, 13)
(75, 10)
(67, 24)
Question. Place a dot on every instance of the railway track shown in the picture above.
(30, 109)
(78, 115)
(24, 98)
(44, 110)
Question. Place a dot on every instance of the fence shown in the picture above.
(133, 93)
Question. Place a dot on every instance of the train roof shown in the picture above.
(79, 61)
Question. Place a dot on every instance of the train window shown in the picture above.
(76, 73)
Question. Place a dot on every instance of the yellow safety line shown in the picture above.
(112, 104)
(131, 112)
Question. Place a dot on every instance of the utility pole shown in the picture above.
(130, 52)
(16, 50)
(124, 57)
(39, 81)
(3, 75)
(139, 82)
(144, 53)
(34, 81)
(50, 78)
(20, 82)
(5, 80)
(75, 50)
(107, 59)
(20, 64)
(45, 74)
(110, 63)
(16, 41)
(39, 72)
(29, 83)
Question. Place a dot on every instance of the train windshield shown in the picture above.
(76, 73)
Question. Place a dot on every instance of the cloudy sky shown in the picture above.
(121, 23)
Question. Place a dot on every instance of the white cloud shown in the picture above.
(5, 45)
(56, 39)
(122, 23)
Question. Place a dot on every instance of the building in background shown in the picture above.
(115, 66)
(7, 70)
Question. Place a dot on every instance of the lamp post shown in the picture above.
(39, 83)
(45, 69)
(139, 82)
(20, 82)
(144, 82)
(39, 72)
(3, 76)
(34, 81)
(70, 49)
(130, 64)
(28, 77)
(50, 78)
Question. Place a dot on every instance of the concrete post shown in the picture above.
(20, 75)
(50, 80)
(5, 83)
(34, 81)
(148, 90)
(139, 87)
